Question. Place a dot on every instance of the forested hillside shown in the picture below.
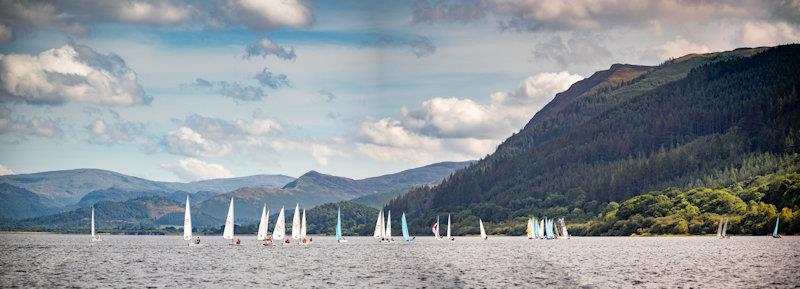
(699, 121)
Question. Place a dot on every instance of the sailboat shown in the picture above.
(304, 240)
(549, 229)
(541, 228)
(564, 232)
(187, 225)
(719, 229)
(228, 232)
(263, 226)
(280, 227)
(775, 232)
(535, 229)
(404, 226)
(296, 223)
(388, 233)
(448, 229)
(435, 229)
(339, 237)
(380, 232)
(483, 231)
(529, 229)
(95, 238)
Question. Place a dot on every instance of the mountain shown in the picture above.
(19, 203)
(314, 188)
(696, 121)
(67, 187)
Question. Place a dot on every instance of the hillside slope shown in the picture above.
(705, 120)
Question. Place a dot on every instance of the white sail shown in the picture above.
(296, 223)
(263, 225)
(483, 231)
(541, 229)
(448, 226)
(719, 229)
(564, 232)
(379, 231)
(93, 234)
(436, 232)
(303, 227)
(388, 233)
(187, 221)
(725, 228)
(228, 232)
(280, 227)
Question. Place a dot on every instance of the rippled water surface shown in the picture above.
(166, 261)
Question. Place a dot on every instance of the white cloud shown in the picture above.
(459, 129)
(769, 34)
(70, 73)
(258, 126)
(186, 141)
(191, 169)
(265, 47)
(20, 124)
(5, 171)
(118, 131)
(268, 14)
(320, 151)
(678, 47)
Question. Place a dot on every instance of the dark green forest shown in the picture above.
(708, 122)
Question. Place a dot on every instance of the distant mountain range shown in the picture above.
(702, 120)
(30, 200)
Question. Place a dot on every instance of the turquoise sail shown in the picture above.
(775, 232)
(549, 229)
(339, 225)
(405, 228)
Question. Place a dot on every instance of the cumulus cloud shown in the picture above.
(678, 47)
(72, 73)
(192, 169)
(265, 47)
(581, 49)
(4, 171)
(459, 128)
(23, 125)
(271, 80)
(113, 132)
(768, 34)
(185, 141)
(267, 14)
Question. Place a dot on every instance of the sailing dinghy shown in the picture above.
(404, 226)
(435, 229)
(541, 229)
(96, 238)
(187, 226)
(564, 232)
(296, 223)
(775, 232)
(448, 229)
(388, 233)
(339, 237)
(263, 227)
(380, 232)
(529, 229)
(304, 239)
(279, 233)
(483, 231)
(228, 232)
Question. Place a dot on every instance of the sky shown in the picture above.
(192, 90)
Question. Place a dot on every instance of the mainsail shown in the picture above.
(725, 228)
(448, 226)
(529, 229)
(339, 224)
(379, 231)
(296, 223)
(187, 221)
(228, 232)
(388, 233)
(303, 227)
(564, 232)
(280, 227)
(541, 229)
(774, 232)
(93, 234)
(405, 228)
(535, 230)
(549, 229)
(264, 224)
(719, 229)
(435, 229)
(483, 232)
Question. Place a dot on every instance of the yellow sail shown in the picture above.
(530, 228)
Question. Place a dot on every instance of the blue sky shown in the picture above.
(167, 91)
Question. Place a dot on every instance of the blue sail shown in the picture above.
(339, 225)
(405, 228)
(549, 228)
(535, 228)
(775, 232)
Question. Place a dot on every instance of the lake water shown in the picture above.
(166, 261)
